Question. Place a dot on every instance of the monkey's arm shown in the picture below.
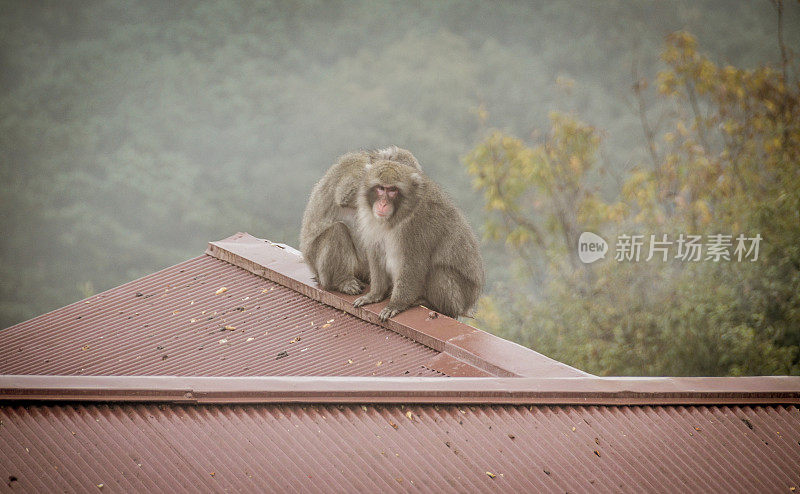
(346, 191)
(408, 288)
(380, 283)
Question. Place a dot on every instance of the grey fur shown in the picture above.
(333, 253)
(425, 252)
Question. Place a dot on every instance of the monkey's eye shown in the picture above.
(391, 191)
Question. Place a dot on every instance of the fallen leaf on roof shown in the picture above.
(294, 340)
(330, 321)
(266, 290)
(229, 328)
(193, 320)
(304, 349)
(250, 339)
(212, 473)
(222, 289)
(512, 436)
(191, 303)
(349, 361)
(410, 416)
(223, 341)
(573, 429)
(282, 354)
(393, 424)
(379, 363)
(597, 453)
(432, 315)
(491, 475)
(85, 347)
(246, 298)
(364, 407)
(100, 486)
(176, 312)
(325, 325)
(398, 479)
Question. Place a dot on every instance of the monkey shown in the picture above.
(420, 247)
(327, 241)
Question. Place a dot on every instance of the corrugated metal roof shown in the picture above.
(251, 307)
(174, 322)
(144, 421)
(377, 448)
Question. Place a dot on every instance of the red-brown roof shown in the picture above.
(124, 391)
(173, 323)
(446, 447)
(249, 307)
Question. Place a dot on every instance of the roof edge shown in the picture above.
(773, 390)
(468, 345)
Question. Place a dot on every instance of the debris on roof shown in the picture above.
(205, 317)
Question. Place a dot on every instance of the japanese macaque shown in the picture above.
(334, 254)
(419, 246)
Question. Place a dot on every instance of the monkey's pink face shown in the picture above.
(383, 207)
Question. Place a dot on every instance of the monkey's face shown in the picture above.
(383, 201)
(390, 190)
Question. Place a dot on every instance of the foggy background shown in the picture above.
(134, 132)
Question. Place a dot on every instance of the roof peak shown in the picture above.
(464, 349)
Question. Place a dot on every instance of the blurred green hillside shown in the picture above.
(133, 132)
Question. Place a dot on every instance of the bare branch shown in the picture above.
(649, 134)
(778, 4)
(698, 119)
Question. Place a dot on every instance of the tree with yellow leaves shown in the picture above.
(729, 165)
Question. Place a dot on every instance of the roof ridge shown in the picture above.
(463, 345)
(462, 390)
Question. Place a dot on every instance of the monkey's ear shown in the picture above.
(416, 178)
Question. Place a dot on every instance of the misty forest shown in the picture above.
(134, 132)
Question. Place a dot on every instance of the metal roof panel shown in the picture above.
(375, 448)
(206, 317)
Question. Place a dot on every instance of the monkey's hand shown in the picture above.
(390, 311)
(351, 287)
(367, 299)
